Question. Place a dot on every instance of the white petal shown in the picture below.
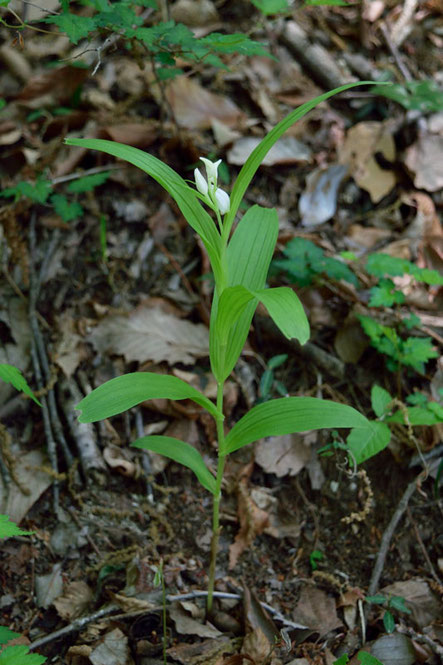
(200, 182)
(211, 170)
(223, 201)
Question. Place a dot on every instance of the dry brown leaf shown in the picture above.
(195, 13)
(113, 650)
(287, 150)
(366, 236)
(257, 646)
(316, 610)
(253, 521)
(69, 350)
(424, 160)
(423, 604)
(195, 107)
(187, 625)
(138, 134)
(148, 333)
(283, 455)
(28, 469)
(52, 88)
(207, 652)
(363, 141)
(74, 601)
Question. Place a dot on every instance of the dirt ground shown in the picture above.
(112, 280)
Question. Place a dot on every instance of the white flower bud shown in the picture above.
(200, 182)
(211, 171)
(223, 201)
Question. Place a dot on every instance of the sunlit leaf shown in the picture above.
(180, 452)
(288, 415)
(124, 392)
(19, 655)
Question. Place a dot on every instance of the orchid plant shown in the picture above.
(240, 260)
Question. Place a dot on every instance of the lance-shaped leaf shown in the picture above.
(282, 304)
(249, 254)
(365, 442)
(256, 157)
(288, 415)
(124, 392)
(180, 452)
(186, 198)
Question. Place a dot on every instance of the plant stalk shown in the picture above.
(217, 496)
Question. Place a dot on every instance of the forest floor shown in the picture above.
(104, 276)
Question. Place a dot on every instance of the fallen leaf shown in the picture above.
(257, 646)
(316, 610)
(283, 455)
(287, 150)
(187, 625)
(424, 160)
(12, 500)
(195, 13)
(419, 598)
(318, 202)
(195, 107)
(114, 650)
(148, 333)
(48, 587)
(74, 600)
(363, 141)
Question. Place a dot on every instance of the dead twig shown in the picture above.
(395, 52)
(389, 532)
(422, 547)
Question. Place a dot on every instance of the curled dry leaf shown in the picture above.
(287, 150)
(318, 202)
(74, 600)
(114, 457)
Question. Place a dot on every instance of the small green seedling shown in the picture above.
(240, 260)
(314, 557)
(389, 603)
(268, 383)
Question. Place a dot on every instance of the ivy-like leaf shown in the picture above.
(75, 27)
(20, 655)
(88, 182)
(6, 635)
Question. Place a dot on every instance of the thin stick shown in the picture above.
(389, 532)
(422, 547)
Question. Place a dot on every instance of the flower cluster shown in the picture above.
(216, 198)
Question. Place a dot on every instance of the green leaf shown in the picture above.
(185, 197)
(88, 182)
(270, 6)
(343, 660)
(388, 622)
(329, 3)
(385, 294)
(66, 209)
(75, 27)
(19, 655)
(378, 599)
(124, 392)
(365, 442)
(38, 192)
(6, 635)
(367, 659)
(380, 400)
(288, 415)
(11, 374)
(256, 157)
(286, 311)
(8, 529)
(249, 254)
(180, 452)
(276, 361)
(417, 415)
(398, 603)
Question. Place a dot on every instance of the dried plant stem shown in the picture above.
(217, 497)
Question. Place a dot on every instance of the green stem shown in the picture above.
(217, 496)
